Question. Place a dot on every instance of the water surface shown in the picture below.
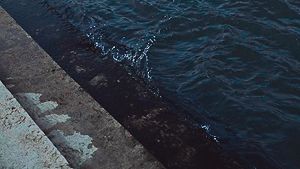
(234, 65)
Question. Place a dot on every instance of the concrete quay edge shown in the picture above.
(81, 129)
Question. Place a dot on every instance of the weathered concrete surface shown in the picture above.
(77, 125)
(22, 143)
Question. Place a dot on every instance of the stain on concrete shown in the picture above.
(81, 145)
(100, 80)
(10, 86)
(80, 69)
(51, 120)
(33, 100)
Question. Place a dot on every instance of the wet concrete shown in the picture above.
(79, 127)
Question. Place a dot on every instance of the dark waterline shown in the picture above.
(233, 65)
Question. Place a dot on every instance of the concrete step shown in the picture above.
(22, 143)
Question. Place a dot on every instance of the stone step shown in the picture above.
(22, 143)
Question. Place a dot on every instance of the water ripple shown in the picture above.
(234, 64)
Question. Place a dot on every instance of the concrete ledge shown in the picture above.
(22, 143)
(79, 127)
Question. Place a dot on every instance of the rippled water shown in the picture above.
(234, 64)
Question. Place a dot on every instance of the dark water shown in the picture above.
(234, 65)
